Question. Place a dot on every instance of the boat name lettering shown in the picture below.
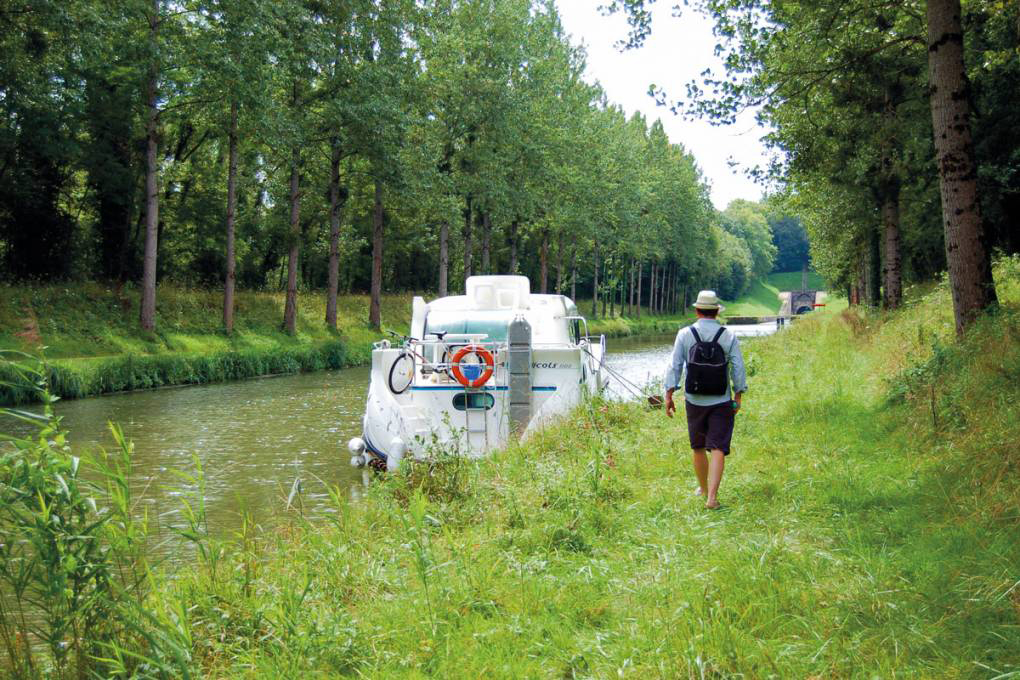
(552, 364)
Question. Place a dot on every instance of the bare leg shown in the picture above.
(715, 470)
(701, 470)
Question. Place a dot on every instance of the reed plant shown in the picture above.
(73, 543)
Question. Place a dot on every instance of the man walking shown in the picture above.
(707, 355)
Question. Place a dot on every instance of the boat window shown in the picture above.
(463, 401)
(493, 326)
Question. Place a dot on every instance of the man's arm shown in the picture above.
(738, 372)
(673, 373)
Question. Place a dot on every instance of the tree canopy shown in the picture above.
(869, 111)
(289, 144)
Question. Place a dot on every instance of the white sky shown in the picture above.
(676, 52)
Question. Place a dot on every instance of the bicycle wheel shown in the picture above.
(445, 361)
(401, 373)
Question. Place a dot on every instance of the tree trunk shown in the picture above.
(595, 285)
(660, 304)
(559, 263)
(891, 265)
(663, 289)
(624, 288)
(543, 261)
(604, 296)
(486, 243)
(860, 288)
(651, 289)
(513, 247)
(676, 288)
(630, 288)
(660, 288)
(335, 204)
(872, 284)
(374, 310)
(651, 292)
(573, 273)
(290, 307)
(633, 286)
(228, 284)
(468, 245)
(673, 289)
(444, 258)
(670, 288)
(892, 276)
(970, 270)
(613, 291)
(637, 307)
(147, 312)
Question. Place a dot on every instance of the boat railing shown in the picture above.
(583, 321)
(434, 356)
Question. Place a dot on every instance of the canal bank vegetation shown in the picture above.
(868, 528)
(93, 345)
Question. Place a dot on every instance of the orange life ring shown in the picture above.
(487, 361)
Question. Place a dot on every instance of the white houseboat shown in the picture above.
(479, 368)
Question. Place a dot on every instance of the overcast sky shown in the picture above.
(678, 50)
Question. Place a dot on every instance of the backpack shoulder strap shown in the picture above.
(697, 338)
(722, 329)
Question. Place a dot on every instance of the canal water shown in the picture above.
(254, 438)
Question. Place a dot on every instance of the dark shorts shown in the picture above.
(710, 427)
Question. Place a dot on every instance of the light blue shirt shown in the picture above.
(707, 328)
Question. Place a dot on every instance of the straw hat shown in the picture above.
(707, 300)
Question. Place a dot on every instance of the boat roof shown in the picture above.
(497, 300)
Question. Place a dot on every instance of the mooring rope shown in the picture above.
(635, 389)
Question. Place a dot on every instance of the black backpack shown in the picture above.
(707, 367)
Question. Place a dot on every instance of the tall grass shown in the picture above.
(73, 567)
(858, 536)
(855, 540)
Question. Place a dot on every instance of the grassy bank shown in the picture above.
(869, 529)
(95, 346)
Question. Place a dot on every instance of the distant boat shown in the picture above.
(477, 369)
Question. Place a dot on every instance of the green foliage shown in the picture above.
(791, 241)
(73, 568)
(747, 221)
(90, 377)
(842, 88)
(474, 118)
(847, 522)
(558, 555)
